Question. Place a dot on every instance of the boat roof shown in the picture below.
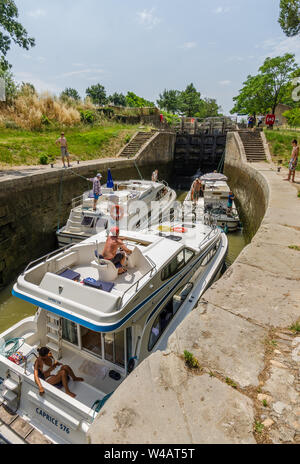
(49, 282)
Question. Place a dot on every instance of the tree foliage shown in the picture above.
(70, 93)
(10, 85)
(135, 101)
(169, 101)
(289, 18)
(190, 101)
(12, 30)
(209, 108)
(117, 99)
(263, 92)
(97, 93)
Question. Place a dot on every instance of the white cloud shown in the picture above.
(224, 83)
(147, 18)
(39, 59)
(81, 72)
(39, 84)
(37, 13)
(221, 10)
(188, 45)
(278, 47)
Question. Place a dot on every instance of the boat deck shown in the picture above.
(121, 284)
(97, 382)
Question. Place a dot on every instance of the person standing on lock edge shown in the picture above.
(62, 141)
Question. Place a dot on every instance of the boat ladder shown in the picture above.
(11, 390)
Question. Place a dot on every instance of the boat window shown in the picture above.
(167, 313)
(177, 263)
(69, 331)
(114, 347)
(91, 341)
(210, 254)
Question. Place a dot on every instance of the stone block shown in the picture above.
(223, 342)
(184, 407)
(257, 294)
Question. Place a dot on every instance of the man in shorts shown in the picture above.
(293, 161)
(111, 253)
(230, 203)
(62, 141)
(196, 190)
(96, 189)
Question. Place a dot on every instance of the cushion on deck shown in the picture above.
(69, 274)
(105, 286)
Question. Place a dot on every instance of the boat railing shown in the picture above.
(26, 360)
(46, 257)
(208, 236)
(77, 201)
(137, 283)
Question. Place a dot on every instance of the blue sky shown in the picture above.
(146, 46)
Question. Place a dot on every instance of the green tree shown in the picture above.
(289, 18)
(169, 101)
(190, 101)
(12, 30)
(134, 101)
(209, 108)
(97, 93)
(70, 93)
(118, 99)
(263, 92)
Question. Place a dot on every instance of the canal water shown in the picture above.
(12, 309)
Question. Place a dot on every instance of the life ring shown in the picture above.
(180, 230)
(117, 212)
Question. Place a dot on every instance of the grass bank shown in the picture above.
(22, 147)
(280, 143)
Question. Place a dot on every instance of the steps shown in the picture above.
(138, 141)
(54, 334)
(253, 146)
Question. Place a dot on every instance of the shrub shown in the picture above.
(43, 159)
(127, 138)
(88, 116)
(293, 117)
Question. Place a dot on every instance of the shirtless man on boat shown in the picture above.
(43, 367)
(196, 190)
(110, 251)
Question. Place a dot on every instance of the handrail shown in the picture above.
(77, 201)
(208, 236)
(138, 281)
(27, 357)
(46, 257)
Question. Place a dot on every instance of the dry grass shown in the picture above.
(33, 112)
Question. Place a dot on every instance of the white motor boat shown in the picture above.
(213, 204)
(101, 323)
(130, 203)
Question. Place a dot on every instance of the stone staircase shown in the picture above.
(253, 145)
(136, 143)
